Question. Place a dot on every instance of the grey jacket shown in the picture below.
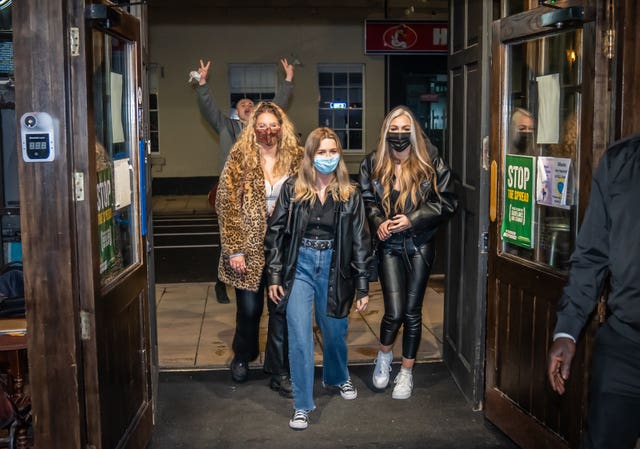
(227, 128)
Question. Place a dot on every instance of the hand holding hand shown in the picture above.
(288, 69)
(399, 223)
(383, 230)
(559, 363)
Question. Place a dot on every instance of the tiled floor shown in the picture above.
(195, 331)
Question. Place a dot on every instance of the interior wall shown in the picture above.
(188, 146)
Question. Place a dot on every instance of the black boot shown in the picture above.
(239, 370)
(282, 384)
(221, 293)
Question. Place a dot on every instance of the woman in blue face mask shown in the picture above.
(408, 193)
(317, 248)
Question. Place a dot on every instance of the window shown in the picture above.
(153, 122)
(340, 108)
(254, 81)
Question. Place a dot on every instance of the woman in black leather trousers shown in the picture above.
(408, 193)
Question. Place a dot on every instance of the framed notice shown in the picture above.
(519, 200)
(405, 37)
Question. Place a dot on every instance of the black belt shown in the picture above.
(317, 244)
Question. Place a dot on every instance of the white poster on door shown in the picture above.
(554, 186)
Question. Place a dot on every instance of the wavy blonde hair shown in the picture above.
(340, 187)
(288, 151)
(416, 169)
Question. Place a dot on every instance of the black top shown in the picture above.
(321, 220)
(608, 243)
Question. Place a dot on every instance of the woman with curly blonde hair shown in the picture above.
(264, 157)
(408, 193)
(317, 248)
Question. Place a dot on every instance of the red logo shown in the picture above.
(400, 37)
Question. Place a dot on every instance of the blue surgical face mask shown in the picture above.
(326, 165)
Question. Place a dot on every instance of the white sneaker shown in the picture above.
(299, 420)
(348, 390)
(382, 370)
(404, 385)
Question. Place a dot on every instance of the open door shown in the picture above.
(465, 294)
(545, 102)
(115, 306)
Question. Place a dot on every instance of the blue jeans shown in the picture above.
(309, 288)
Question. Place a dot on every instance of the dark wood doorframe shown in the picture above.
(48, 227)
(626, 69)
(465, 293)
(522, 295)
(59, 283)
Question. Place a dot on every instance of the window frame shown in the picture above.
(345, 88)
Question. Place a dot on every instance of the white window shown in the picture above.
(341, 102)
(254, 81)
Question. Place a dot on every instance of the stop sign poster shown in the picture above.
(519, 200)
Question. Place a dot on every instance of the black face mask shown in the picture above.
(399, 141)
(523, 141)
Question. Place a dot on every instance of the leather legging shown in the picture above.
(404, 272)
(249, 308)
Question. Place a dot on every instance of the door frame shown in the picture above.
(546, 422)
(465, 292)
(58, 281)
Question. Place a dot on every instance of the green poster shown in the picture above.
(105, 220)
(519, 200)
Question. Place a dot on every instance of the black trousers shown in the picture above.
(404, 272)
(613, 420)
(246, 347)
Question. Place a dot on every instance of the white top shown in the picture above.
(273, 191)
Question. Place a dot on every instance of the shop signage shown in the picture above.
(402, 37)
(106, 227)
(519, 200)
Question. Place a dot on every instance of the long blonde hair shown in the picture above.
(340, 187)
(288, 150)
(415, 170)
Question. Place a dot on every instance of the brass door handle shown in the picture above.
(493, 193)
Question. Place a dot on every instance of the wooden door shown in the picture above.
(115, 316)
(465, 294)
(545, 104)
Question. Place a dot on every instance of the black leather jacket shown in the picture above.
(351, 253)
(430, 212)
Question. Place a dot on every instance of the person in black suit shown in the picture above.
(608, 246)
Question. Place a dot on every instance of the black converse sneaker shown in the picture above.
(299, 420)
(347, 390)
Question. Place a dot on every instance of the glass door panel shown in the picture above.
(542, 149)
(115, 127)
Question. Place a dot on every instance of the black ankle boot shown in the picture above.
(282, 384)
(239, 370)
(221, 293)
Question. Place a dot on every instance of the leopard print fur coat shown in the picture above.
(242, 215)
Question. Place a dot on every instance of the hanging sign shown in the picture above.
(555, 183)
(519, 201)
(403, 37)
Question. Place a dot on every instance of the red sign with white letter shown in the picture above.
(395, 37)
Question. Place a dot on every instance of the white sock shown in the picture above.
(408, 371)
(385, 355)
